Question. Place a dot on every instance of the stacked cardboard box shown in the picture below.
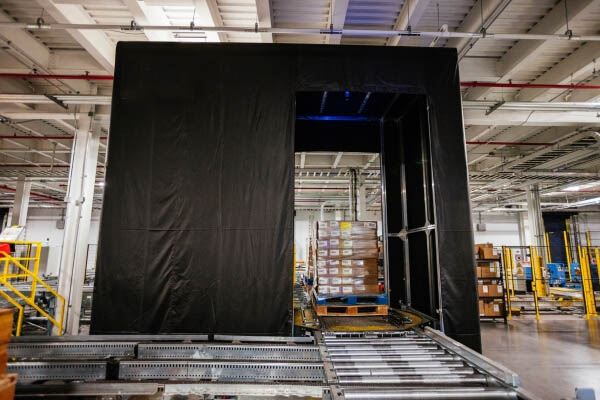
(486, 251)
(489, 285)
(346, 258)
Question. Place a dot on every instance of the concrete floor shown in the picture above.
(552, 356)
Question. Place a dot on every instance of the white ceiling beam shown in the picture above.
(95, 42)
(478, 69)
(489, 10)
(525, 51)
(339, 8)
(24, 43)
(531, 118)
(587, 95)
(409, 15)
(578, 65)
(302, 159)
(264, 14)
(91, 2)
(150, 15)
(207, 14)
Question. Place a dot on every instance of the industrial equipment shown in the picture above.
(418, 362)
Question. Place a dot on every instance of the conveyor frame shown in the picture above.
(420, 363)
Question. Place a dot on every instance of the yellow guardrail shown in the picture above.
(16, 272)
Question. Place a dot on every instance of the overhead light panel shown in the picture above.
(190, 35)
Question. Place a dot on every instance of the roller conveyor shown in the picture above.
(416, 364)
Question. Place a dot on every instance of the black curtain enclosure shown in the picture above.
(197, 222)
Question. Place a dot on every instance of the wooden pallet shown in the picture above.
(343, 310)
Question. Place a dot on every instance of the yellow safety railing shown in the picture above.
(507, 262)
(586, 282)
(17, 273)
(536, 283)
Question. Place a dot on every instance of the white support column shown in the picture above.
(80, 197)
(361, 199)
(522, 235)
(534, 217)
(21, 204)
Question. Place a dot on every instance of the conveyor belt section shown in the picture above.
(403, 365)
(66, 361)
(169, 351)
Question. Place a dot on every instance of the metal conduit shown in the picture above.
(134, 27)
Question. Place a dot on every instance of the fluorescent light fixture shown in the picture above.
(190, 35)
(575, 188)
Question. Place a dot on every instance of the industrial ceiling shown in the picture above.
(530, 71)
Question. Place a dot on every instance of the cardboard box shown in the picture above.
(487, 290)
(346, 254)
(349, 230)
(368, 263)
(486, 251)
(346, 244)
(347, 289)
(488, 269)
(481, 308)
(494, 309)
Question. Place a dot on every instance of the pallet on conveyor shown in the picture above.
(350, 305)
(350, 299)
(343, 310)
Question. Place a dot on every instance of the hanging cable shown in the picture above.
(483, 30)
(569, 32)
(408, 27)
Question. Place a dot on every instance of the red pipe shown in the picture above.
(43, 137)
(464, 84)
(527, 85)
(513, 143)
(59, 76)
(38, 195)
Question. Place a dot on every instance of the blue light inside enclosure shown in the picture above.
(347, 95)
(335, 118)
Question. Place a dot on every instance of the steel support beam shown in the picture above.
(577, 66)
(525, 51)
(264, 14)
(94, 41)
(80, 194)
(21, 204)
(534, 217)
(408, 18)
(339, 8)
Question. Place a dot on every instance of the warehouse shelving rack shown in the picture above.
(499, 280)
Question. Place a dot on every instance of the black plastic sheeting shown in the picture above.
(197, 221)
(197, 224)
